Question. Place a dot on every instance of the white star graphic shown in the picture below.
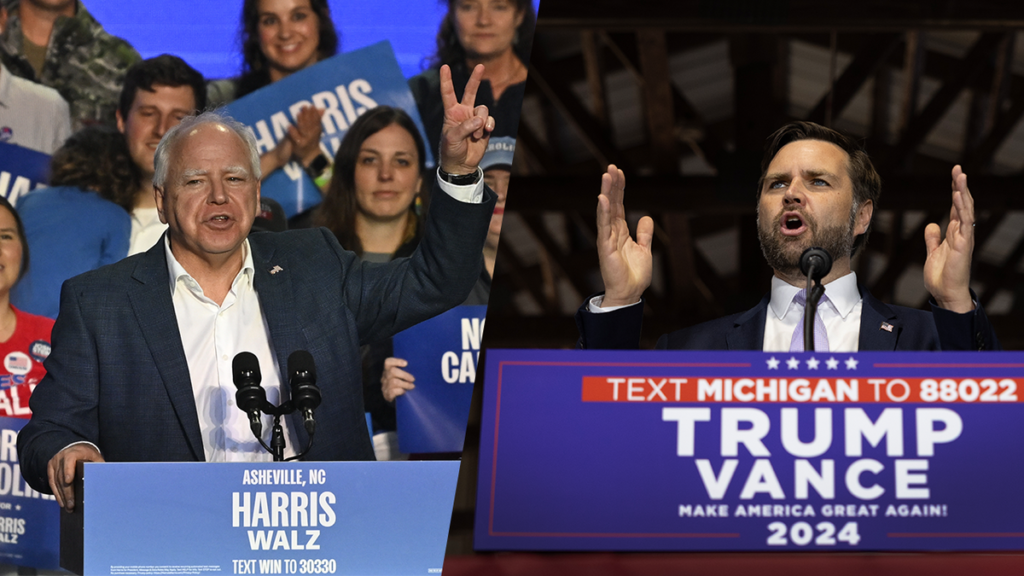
(773, 364)
(851, 363)
(793, 363)
(832, 363)
(812, 363)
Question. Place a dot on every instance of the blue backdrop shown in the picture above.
(212, 47)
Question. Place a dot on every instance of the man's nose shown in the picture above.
(794, 193)
(218, 192)
(164, 124)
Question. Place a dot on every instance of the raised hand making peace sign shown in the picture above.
(466, 128)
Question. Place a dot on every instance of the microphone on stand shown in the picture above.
(305, 393)
(815, 263)
(250, 396)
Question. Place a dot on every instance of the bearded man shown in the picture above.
(817, 188)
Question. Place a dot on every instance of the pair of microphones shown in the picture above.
(252, 398)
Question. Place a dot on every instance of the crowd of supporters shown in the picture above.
(73, 91)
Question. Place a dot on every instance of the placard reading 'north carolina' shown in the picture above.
(587, 450)
(29, 521)
(442, 353)
(344, 86)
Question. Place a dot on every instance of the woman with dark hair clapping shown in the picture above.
(278, 38)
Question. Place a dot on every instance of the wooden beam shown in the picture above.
(789, 16)
(921, 124)
(593, 66)
(702, 194)
(548, 80)
(657, 98)
(874, 51)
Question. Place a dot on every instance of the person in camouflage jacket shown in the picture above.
(83, 62)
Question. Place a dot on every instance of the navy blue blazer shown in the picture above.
(117, 375)
(912, 329)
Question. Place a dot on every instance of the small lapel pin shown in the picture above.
(277, 269)
(886, 326)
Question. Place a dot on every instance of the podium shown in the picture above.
(751, 451)
(267, 518)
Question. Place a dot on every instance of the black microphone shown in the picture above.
(250, 396)
(305, 393)
(815, 263)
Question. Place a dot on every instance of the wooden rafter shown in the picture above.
(921, 124)
(873, 53)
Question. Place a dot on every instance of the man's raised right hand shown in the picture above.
(625, 264)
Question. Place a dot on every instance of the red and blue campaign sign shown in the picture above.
(29, 521)
(21, 171)
(442, 354)
(344, 86)
(588, 450)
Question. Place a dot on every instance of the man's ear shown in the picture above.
(159, 195)
(863, 218)
(120, 121)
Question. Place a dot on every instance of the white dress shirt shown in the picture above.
(211, 336)
(841, 314)
(146, 230)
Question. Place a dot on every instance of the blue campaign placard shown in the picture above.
(29, 521)
(21, 171)
(442, 354)
(612, 450)
(362, 518)
(345, 86)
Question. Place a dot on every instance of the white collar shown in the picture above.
(843, 295)
(176, 270)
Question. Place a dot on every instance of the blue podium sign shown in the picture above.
(21, 171)
(284, 518)
(29, 521)
(588, 450)
(345, 86)
(442, 354)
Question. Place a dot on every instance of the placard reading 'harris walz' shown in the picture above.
(751, 451)
(21, 171)
(344, 86)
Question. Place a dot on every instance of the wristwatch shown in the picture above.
(461, 179)
(318, 165)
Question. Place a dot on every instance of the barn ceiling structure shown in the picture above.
(682, 96)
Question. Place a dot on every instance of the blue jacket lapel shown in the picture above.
(748, 329)
(150, 298)
(273, 282)
(879, 329)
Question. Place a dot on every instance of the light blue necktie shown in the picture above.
(820, 336)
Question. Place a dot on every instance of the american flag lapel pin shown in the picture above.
(886, 326)
(277, 269)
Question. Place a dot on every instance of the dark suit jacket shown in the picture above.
(118, 377)
(912, 329)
